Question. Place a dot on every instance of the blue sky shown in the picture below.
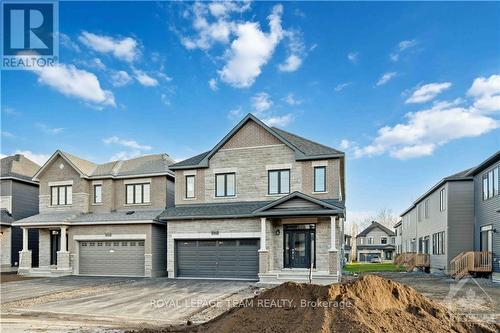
(410, 91)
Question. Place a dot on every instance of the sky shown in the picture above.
(409, 91)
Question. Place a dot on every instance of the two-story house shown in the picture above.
(375, 241)
(18, 199)
(441, 221)
(263, 204)
(100, 219)
(487, 210)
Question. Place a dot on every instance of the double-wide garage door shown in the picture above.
(121, 258)
(222, 258)
(368, 256)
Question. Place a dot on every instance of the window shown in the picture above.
(486, 238)
(419, 213)
(426, 208)
(225, 185)
(361, 241)
(61, 195)
(278, 181)
(491, 184)
(438, 243)
(137, 193)
(370, 240)
(320, 179)
(98, 193)
(190, 186)
(393, 240)
(442, 200)
(383, 240)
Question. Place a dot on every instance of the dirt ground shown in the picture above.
(12, 276)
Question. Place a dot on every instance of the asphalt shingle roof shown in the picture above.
(306, 146)
(5, 217)
(18, 166)
(374, 225)
(192, 160)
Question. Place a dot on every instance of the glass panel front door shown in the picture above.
(299, 246)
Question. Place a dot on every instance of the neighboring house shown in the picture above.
(398, 229)
(263, 204)
(376, 241)
(487, 209)
(100, 219)
(347, 248)
(19, 199)
(441, 221)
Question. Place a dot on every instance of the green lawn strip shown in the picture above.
(375, 267)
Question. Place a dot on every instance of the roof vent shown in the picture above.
(130, 212)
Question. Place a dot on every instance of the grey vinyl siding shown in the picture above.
(24, 200)
(486, 213)
(159, 250)
(460, 218)
(6, 187)
(170, 193)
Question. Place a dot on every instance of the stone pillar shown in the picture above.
(263, 234)
(333, 233)
(263, 252)
(43, 248)
(63, 254)
(24, 255)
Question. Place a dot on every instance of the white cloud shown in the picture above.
(212, 83)
(39, 159)
(66, 42)
(235, 113)
(251, 50)
(6, 134)
(291, 64)
(126, 143)
(341, 86)
(427, 92)
(281, 121)
(75, 82)
(353, 57)
(386, 77)
(144, 79)
(291, 100)
(402, 46)
(124, 49)
(120, 78)
(49, 130)
(424, 131)
(486, 92)
(345, 144)
(125, 155)
(261, 102)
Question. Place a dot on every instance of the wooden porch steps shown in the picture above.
(469, 262)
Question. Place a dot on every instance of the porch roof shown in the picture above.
(254, 209)
(376, 247)
(5, 218)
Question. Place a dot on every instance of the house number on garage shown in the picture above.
(107, 234)
(216, 232)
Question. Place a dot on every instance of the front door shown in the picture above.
(299, 245)
(55, 245)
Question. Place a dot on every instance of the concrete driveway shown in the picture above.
(126, 302)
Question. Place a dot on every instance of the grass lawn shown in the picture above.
(361, 267)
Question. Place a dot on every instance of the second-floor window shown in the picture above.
(491, 184)
(427, 208)
(383, 240)
(98, 193)
(225, 185)
(137, 193)
(442, 200)
(190, 186)
(279, 181)
(370, 240)
(320, 179)
(61, 195)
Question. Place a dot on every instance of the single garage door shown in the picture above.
(222, 258)
(124, 257)
(368, 256)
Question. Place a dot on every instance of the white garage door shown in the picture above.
(121, 258)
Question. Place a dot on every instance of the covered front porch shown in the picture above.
(300, 244)
(54, 257)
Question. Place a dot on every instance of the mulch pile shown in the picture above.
(369, 304)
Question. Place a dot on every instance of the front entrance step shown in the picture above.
(302, 276)
(44, 272)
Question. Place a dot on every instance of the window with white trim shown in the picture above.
(442, 200)
(97, 193)
(190, 186)
(491, 183)
(370, 240)
(320, 179)
(137, 193)
(225, 184)
(61, 195)
(438, 243)
(279, 181)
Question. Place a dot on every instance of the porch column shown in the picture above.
(263, 252)
(24, 255)
(63, 254)
(263, 234)
(333, 233)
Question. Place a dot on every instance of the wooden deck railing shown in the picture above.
(470, 262)
(413, 260)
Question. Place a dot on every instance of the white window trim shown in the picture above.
(96, 182)
(137, 181)
(61, 183)
(271, 167)
(189, 172)
(487, 228)
(319, 163)
(224, 170)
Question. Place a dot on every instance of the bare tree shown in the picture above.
(386, 217)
